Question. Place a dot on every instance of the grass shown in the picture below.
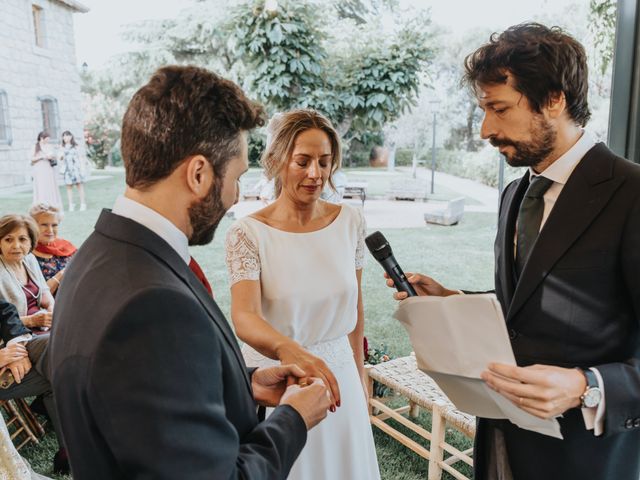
(459, 257)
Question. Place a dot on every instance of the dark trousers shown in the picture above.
(35, 383)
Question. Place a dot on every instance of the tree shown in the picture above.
(358, 77)
(602, 24)
(286, 58)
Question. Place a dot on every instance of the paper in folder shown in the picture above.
(454, 339)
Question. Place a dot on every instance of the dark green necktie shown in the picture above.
(529, 219)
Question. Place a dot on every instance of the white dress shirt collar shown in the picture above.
(161, 226)
(560, 170)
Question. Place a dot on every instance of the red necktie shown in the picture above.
(195, 268)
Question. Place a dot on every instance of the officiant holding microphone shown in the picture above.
(567, 267)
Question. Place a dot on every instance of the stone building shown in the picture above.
(39, 80)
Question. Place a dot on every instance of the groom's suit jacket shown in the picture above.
(147, 374)
(577, 304)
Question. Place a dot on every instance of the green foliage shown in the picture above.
(281, 51)
(602, 24)
(103, 115)
(482, 166)
(344, 66)
(358, 77)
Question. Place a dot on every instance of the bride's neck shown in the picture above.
(298, 212)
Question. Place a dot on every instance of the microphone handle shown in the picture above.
(396, 274)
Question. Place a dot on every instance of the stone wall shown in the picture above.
(29, 72)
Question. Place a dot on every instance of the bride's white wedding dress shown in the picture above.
(310, 294)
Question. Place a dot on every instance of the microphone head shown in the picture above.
(378, 246)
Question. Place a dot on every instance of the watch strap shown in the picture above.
(592, 380)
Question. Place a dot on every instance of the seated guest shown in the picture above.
(53, 253)
(21, 281)
(23, 368)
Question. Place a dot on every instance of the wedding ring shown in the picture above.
(303, 383)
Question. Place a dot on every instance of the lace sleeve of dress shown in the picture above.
(243, 259)
(360, 248)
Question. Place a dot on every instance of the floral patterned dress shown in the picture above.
(73, 169)
(51, 266)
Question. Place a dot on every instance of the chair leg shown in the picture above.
(369, 389)
(438, 424)
(30, 418)
(22, 426)
(414, 409)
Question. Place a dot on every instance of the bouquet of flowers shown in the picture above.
(373, 356)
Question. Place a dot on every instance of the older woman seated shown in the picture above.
(21, 281)
(53, 253)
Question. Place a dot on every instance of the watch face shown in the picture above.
(592, 397)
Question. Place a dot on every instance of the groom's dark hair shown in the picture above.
(181, 112)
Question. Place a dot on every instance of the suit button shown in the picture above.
(513, 334)
(628, 423)
(636, 423)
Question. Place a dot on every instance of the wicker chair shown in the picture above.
(404, 378)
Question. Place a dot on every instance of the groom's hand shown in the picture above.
(269, 383)
(311, 400)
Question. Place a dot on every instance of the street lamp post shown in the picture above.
(434, 106)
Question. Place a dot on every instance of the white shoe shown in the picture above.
(83, 207)
(72, 207)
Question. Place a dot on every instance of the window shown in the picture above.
(5, 128)
(38, 24)
(50, 120)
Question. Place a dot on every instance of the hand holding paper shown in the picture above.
(455, 338)
(542, 390)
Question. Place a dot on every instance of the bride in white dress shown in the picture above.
(295, 269)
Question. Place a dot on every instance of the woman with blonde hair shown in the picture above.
(295, 270)
(52, 252)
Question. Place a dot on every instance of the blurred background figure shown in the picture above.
(21, 281)
(73, 169)
(52, 252)
(45, 184)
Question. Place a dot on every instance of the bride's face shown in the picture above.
(308, 167)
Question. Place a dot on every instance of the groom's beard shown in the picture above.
(206, 215)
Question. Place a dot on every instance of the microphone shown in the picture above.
(381, 251)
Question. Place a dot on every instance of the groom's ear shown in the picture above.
(199, 175)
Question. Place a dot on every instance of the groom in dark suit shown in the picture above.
(147, 373)
(567, 267)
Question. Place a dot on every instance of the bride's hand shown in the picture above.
(293, 353)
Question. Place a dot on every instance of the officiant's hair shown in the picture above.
(181, 112)
(542, 61)
(283, 130)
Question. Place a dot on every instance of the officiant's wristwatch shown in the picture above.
(592, 396)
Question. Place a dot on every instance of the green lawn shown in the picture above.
(459, 257)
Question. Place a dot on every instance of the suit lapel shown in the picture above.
(506, 234)
(583, 197)
(128, 231)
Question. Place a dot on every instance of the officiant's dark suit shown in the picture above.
(567, 266)
(577, 304)
(148, 375)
